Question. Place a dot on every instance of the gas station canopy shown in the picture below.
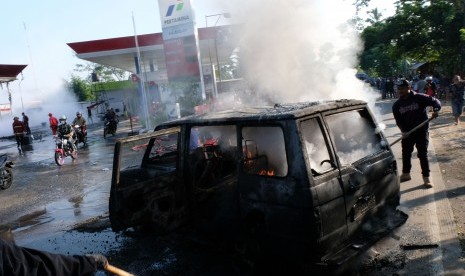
(9, 72)
(120, 52)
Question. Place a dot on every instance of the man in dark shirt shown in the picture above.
(26, 123)
(410, 111)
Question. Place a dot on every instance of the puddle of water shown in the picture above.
(26, 222)
(62, 214)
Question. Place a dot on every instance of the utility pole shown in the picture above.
(218, 17)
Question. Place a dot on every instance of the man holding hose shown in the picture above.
(409, 112)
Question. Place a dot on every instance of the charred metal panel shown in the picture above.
(216, 210)
(152, 201)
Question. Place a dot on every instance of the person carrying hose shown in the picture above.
(409, 112)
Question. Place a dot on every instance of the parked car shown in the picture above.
(312, 182)
(361, 76)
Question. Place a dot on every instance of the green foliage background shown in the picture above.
(419, 31)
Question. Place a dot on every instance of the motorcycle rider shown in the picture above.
(110, 116)
(65, 130)
(79, 120)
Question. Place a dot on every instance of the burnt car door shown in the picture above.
(211, 178)
(327, 192)
(147, 186)
(367, 166)
(271, 200)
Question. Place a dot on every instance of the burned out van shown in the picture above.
(314, 181)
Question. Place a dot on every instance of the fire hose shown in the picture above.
(405, 135)
(117, 271)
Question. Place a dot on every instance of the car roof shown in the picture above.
(262, 113)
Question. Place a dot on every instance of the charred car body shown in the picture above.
(314, 181)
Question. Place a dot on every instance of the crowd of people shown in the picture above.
(442, 88)
(437, 87)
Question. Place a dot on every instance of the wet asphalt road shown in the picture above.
(44, 192)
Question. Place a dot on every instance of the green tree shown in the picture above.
(81, 88)
(104, 73)
(419, 31)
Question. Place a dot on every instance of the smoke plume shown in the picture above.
(36, 105)
(299, 50)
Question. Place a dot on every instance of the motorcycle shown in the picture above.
(6, 172)
(63, 149)
(80, 135)
(110, 127)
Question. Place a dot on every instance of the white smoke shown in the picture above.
(36, 105)
(299, 50)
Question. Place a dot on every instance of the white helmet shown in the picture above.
(62, 119)
(429, 78)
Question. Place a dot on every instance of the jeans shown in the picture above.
(420, 139)
(457, 107)
(19, 139)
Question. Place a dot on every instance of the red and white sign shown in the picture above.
(179, 39)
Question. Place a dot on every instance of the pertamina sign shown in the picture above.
(175, 12)
(176, 18)
(179, 40)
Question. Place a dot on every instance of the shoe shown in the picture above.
(405, 177)
(427, 182)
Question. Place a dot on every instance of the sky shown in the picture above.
(36, 33)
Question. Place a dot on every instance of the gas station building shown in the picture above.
(148, 57)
